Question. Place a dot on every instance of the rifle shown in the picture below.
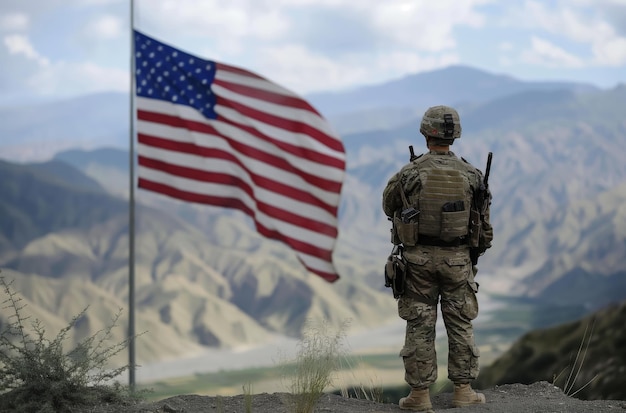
(413, 156)
(481, 202)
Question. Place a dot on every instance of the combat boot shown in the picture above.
(418, 400)
(464, 395)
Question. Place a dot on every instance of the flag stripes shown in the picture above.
(220, 135)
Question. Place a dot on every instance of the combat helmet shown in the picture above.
(442, 123)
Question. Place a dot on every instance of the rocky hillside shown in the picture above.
(585, 358)
(227, 289)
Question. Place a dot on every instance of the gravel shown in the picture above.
(540, 397)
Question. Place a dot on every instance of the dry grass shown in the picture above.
(319, 355)
(572, 378)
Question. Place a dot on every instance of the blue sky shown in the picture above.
(58, 48)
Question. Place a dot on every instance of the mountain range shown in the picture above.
(558, 181)
(66, 247)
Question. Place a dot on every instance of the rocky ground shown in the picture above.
(541, 397)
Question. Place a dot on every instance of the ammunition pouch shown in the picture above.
(406, 231)
(396, 269)
(405, 223)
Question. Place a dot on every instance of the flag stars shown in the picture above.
(174, 76)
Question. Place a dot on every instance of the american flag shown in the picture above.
(216, 134)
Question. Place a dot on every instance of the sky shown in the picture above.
(55, 49)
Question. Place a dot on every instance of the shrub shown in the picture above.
(319, 354)
(37, 375)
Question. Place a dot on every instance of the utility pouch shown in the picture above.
(475, 227)
(454, 219)
(406, 222)
(407, 231)
(453, 225)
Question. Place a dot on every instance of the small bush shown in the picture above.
(36, 375)
(319, 355)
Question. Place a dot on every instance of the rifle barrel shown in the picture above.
(488, 169)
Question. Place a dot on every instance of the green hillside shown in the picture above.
(586, 358)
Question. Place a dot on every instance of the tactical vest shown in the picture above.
(439, 188)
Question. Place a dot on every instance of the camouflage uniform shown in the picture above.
(437, 272)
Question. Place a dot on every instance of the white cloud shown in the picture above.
(612, 52)
(18, 44)
(14, 22)
(303, 71)
(425, 25)
(98, 2)
(261, 33)
(106, 27)
(544, 53)
(232, 20)
(505, 46)
(404, 22)
(310, 45)
(78, 78)
(583, 25)
(63, 78)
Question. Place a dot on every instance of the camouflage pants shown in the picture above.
(446, 274)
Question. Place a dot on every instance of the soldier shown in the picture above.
(432, 202)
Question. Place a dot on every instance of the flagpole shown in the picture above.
(131, 210)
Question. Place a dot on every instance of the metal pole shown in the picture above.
(131, 215)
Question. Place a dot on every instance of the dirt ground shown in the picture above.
(541, 397)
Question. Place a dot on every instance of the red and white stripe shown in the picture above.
(268, 153)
